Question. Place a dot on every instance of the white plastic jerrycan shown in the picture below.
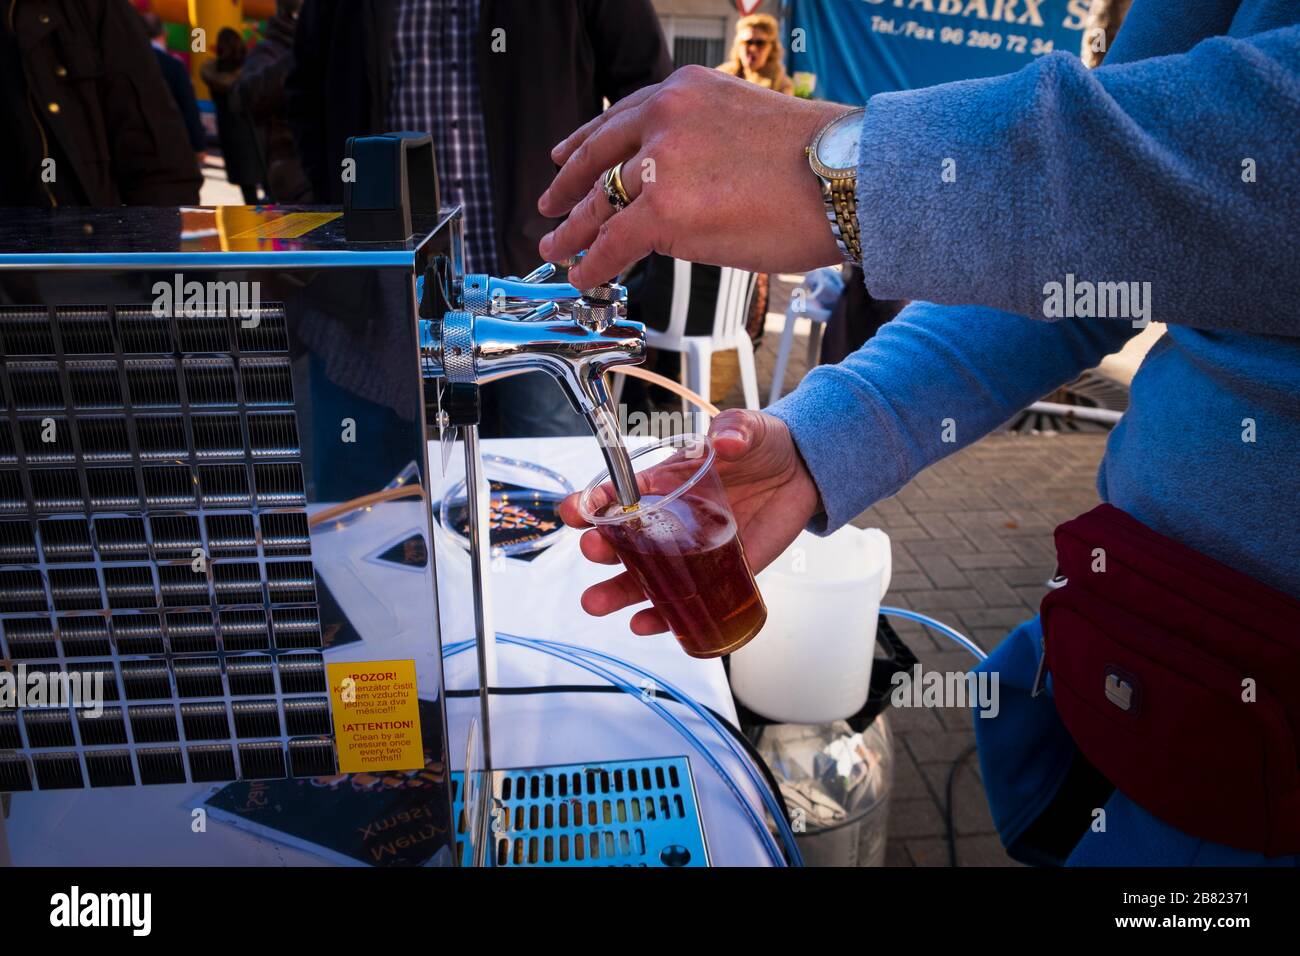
(811, 663)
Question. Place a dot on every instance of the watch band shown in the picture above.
(842, 213)
(839, 189)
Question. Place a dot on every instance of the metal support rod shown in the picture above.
(485, 634)
(1105, 416)
(479, 541)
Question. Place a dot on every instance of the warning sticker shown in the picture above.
(289, 226)
(376, 716)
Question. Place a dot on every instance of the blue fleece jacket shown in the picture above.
(1176, 164)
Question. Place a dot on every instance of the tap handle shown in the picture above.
(487, 295)
(461, 403)
(547, 310)
(433, 289)
(540, 274)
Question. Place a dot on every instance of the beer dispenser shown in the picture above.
(215, 524)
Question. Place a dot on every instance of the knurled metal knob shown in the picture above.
(477, 298)
(458, 347)
(593, 316)
(609, 292)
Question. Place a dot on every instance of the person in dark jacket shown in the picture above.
(259, 93)
(497, 85)
(86, 116)
(177, 78)
(240, 149)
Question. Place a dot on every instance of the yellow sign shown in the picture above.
(291, 225)
(376, 716)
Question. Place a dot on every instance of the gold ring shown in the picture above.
(614, 191)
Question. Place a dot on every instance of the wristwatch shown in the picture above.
(833, 155)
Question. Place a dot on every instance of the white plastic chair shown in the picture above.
(735, 289)
(814, 301)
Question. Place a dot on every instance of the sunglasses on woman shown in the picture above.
(758, 43)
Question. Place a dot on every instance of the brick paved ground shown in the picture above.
(972, 546)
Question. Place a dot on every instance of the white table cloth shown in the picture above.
(538, 598)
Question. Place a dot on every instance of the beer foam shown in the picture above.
(685, 523)
(660, 526)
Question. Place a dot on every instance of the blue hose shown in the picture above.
(938, 626)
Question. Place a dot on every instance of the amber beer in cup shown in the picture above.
(680, 545)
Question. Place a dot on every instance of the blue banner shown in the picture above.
(849, 50)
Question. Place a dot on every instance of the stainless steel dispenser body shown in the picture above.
(185, 492)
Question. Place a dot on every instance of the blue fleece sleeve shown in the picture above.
(1177, 170)
(928, 383)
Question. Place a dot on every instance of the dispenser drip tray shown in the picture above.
(623, 813)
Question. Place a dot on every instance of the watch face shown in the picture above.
(838, 146)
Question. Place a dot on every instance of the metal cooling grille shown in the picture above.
(626, 813)
(132, 445)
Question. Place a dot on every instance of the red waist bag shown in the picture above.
(1179, 679)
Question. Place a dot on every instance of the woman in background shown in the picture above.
(757, 56)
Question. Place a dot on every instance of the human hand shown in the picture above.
(771, 494)
(717, 172)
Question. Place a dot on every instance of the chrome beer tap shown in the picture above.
(506, 326)
(518, 325)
